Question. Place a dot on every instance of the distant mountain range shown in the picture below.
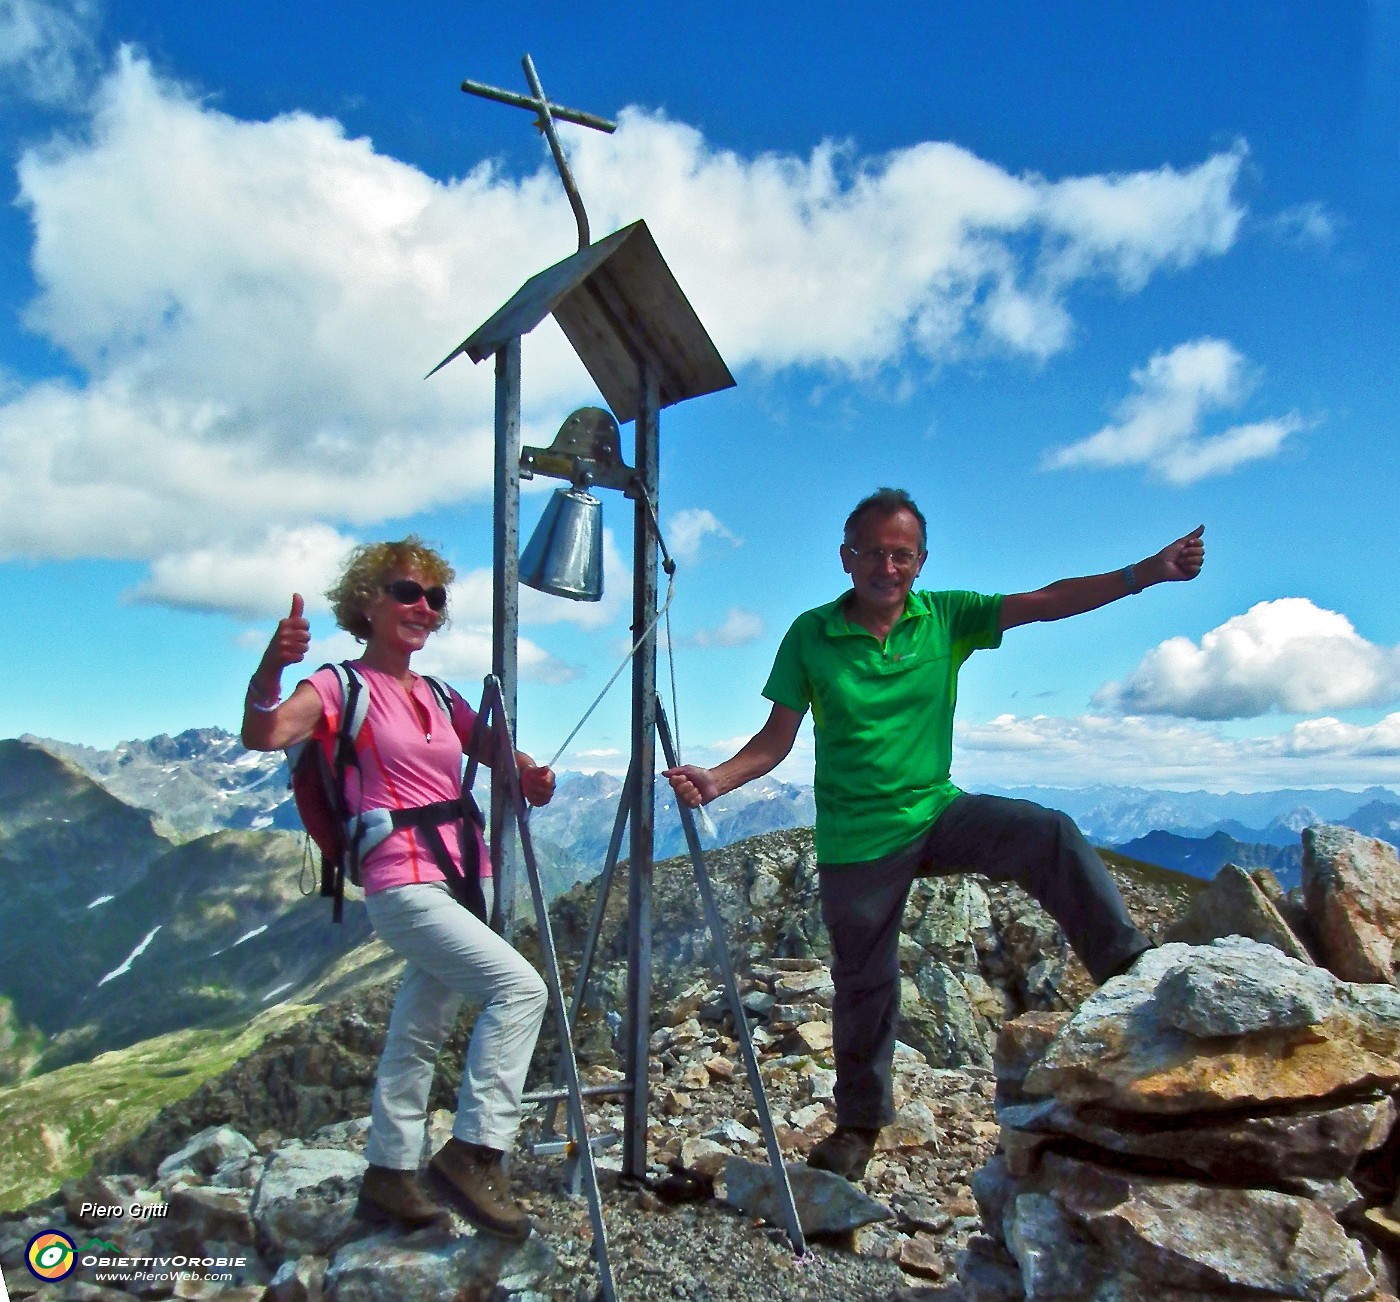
(155, 888)
(1116, 815)
(115, 933)
(1198, 832)
(203, 780)
(198, 782)
(1204, 856)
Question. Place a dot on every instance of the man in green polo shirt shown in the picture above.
(878, 668)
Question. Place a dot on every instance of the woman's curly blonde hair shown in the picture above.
(367, 571)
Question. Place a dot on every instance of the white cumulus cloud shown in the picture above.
(47, 54)
(1286, 655)
(852, 262)
(249, 307)
(461, 653)
(1127, 226)
(1016, 750)
(686, 530)
(1161, 425)
(256, 578)
(739, 628)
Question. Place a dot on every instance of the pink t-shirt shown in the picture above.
(408, 756)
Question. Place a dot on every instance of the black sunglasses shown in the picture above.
(407, 591)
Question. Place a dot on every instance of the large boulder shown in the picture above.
(305, 1202)
(1315, 1143)
(1235, 904)
(434, 1266)
(1241, 1025)
(1217, 1123)
(206, 1152)
(951, 918)
(940, 1020)
(1079, 1229)
(1352, 887)
(825, 1203)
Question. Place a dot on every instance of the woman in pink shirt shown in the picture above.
(393, 596)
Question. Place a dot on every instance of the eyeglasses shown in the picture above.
(407, 591)
(875, 557)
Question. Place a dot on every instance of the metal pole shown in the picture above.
(600, 908)
(505, 613)
(643, 814)
(719, 950)
(546, 123)
(507, 778)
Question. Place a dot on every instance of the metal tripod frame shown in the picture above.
(719, 953)
(638, 337)
(504, 774)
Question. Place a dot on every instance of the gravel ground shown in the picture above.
(707, 1249)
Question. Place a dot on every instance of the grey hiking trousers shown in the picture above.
(862, 904)
(451, 953)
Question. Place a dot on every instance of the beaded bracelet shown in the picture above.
(1130, 580)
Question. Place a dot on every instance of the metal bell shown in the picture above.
(565, 555)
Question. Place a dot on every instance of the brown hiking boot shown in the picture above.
(845, 1151)
(473, 1179)
(395, 1197)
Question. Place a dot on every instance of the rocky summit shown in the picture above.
(1220, 1122)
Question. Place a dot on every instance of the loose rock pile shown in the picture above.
(1220, 1122)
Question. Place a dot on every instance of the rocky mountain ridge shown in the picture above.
(155, 936)
(978, 962)
(203, 780)
(1204, 856)
(1219, 1123)
(976, 955)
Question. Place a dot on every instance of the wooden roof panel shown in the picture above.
(618, 304)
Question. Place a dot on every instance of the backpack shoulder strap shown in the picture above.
(442, 692)
(354, 710)
(444, 698)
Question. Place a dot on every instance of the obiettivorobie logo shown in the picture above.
(51, 1255)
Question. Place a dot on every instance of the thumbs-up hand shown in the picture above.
(291, 640)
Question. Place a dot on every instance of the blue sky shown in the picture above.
(1078, 276)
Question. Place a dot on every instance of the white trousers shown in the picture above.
(450, 953)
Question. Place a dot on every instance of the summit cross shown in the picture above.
(546, 113)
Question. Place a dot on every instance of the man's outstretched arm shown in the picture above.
(762, 753)
(1175, 563)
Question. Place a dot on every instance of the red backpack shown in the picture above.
(344, 836)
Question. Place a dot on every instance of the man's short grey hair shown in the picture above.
(885, 502)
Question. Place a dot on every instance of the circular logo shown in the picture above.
(50, 1255)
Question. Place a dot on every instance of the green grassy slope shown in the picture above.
(52, 1123)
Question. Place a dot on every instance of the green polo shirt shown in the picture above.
(883, 715)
